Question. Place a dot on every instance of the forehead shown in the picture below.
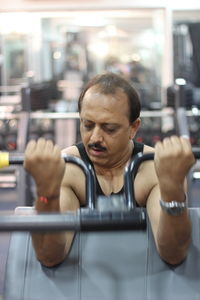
(110, 105)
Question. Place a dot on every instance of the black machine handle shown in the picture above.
(131, 172)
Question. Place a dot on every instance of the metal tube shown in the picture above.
(131, 171)
(90, 179)
(182, 122)
(129, 175)
(82, 220)
(43, 222)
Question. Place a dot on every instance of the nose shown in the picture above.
(97, 135)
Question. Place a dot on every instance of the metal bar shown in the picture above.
(190, 113)
(131, 171)
(39, 222)
(82, 220)
(54, 115)
(113, 220)
(90, 179)
(182, 122)
(75, 115)
(4, 115)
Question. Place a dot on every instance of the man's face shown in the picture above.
(105, 127)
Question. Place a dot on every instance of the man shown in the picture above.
(109, 120)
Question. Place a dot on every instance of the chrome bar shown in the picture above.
(131, 171)
(81, 220)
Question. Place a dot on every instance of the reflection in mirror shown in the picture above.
(71, 47)
(126, 42)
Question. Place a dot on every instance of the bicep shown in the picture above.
(153, 208)
(68, 199)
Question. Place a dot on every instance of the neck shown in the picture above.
(117, 167)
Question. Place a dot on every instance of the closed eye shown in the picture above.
(88, 127)
(87, 124)
(109, 129)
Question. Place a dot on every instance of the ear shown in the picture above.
(134, 128)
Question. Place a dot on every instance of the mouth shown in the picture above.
(96, 149)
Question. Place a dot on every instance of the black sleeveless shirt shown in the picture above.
(138, 147)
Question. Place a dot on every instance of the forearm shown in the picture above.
(174, 232)
(173, 237)
(51, 248)
(45, 164)
(173, 159)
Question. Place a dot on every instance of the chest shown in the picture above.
(109, 185)
(141, 185)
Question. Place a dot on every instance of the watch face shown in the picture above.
(175, 211)
(173, 208)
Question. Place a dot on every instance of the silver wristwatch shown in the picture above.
(173, 208)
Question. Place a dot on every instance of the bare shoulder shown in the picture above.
(146, 178)
(148, 149)
(72, 150)
(74, 177)
(149, 164)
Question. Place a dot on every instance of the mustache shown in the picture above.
(97, 146)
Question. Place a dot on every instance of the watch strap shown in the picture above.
(173, 208)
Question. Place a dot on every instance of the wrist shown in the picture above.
(170, 192)
(48, 192)
(174, 208)
(48, 189)
(46, 199)
(47, 203)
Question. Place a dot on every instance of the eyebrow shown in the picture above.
(110, 124)
(103, 123)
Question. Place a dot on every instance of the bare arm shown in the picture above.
(43, 161)
(173, 159)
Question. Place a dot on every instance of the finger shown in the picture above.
(158, 146)
(158, 150)
(175, 141)
(30, 147)
(186, 145)
(57, 150)
(40, 146)
(167, 142)
(48, 147)
(41, 142)
(174, 146)
(185, 141)
(182, 147)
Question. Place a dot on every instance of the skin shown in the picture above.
(107, 136)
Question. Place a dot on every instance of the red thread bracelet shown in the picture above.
(43, 199)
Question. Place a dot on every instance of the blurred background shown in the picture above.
(49, 50)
